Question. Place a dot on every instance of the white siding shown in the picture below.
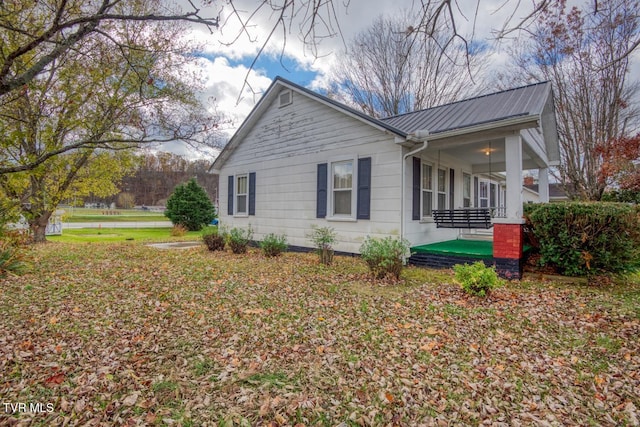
(284, 148)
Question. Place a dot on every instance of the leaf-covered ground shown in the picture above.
(129, 335)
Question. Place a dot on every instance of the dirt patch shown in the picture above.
(176, 245)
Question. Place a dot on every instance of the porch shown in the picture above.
(451, 252)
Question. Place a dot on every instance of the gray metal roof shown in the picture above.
(524, 101)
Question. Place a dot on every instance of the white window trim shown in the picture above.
(283, 92)
(423, 190)
(470, 189)
(237, 213)
(445, 191)
(354, 187)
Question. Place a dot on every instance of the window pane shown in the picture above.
(442, 176)
(466, 187)
(427, 203)
(427, 177)
(242, 185)
(342, 175)
(484, 190)
(242, 204)
(342, 202)
(442, 201)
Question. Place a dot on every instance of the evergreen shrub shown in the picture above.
(586, 238)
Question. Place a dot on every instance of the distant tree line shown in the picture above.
(157, 175)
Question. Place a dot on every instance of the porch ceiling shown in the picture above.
(487, 155)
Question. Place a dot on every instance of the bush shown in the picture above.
(477, 278)
(384, 256)
(323, 239)
(586, 238)
(213, 240)
(238, 239)
(273, 244)
(189, 206)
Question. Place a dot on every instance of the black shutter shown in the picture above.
(230, 196)
(252, 193)
(451, 186)
(364, 188)
(476, 188)
(417, 166)
(321, 193)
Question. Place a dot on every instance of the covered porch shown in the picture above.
(488, 143)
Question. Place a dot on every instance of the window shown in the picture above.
(466, 190)
(242, 194)
(285, 98)
(442, 189)
(484, 194)
(427, 190)
(342, 190)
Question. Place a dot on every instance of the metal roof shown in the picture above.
(519, 102)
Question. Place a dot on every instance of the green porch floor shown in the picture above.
(473, 248)
(482, 249)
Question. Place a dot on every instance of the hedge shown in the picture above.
(582, 238)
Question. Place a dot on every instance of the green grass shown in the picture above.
(74, 215)
(110, 235)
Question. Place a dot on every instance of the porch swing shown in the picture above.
(464, 218)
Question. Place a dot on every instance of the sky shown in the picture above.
(227, 54)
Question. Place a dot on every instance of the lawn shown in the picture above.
(111, 215)
(111, 235)
(126, 334)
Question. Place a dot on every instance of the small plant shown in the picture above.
(11, 260)
(213, 240)
(238, 239)
(477, 279)
(273, 244)
(384, 256)
(178, 230)
(323, 239)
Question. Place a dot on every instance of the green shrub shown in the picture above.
(189, 206)
(384, 256)
(323, 239)
(273, 244)
(213, 240)
(586, 238)
(238, 239)
(477, 278)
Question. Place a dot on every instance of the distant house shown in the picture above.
(302, 159)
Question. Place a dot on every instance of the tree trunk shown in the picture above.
(38, 227)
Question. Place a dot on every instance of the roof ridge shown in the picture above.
(466, 100)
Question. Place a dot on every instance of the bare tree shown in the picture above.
(390, 69)
(584, 54)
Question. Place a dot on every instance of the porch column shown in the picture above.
(508, 235)
(543, 185)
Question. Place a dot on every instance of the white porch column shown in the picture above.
(543, 185)
(513, 157)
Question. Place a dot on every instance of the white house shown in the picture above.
(302, 159)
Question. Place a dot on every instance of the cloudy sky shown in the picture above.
(228, 53)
